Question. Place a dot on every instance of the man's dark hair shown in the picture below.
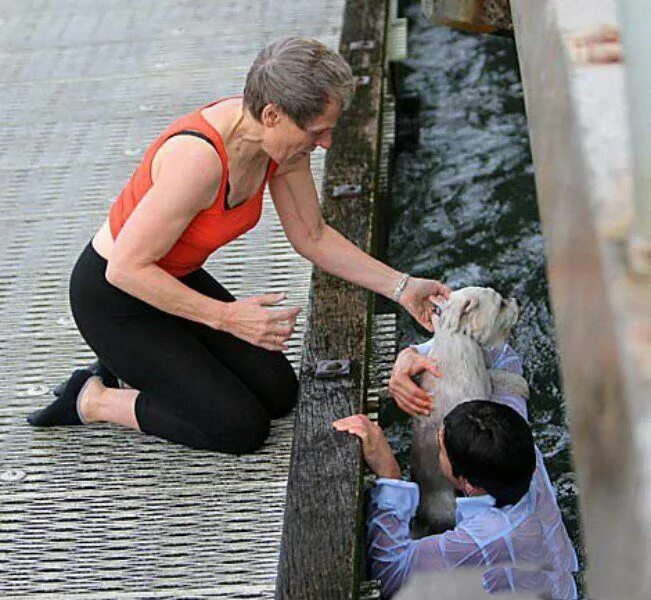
(490, 445)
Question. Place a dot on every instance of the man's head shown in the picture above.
(487, 447)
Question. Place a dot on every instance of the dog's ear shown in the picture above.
(454, 311)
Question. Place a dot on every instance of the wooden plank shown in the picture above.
(320, 548)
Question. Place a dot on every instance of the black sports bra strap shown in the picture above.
(198, 134)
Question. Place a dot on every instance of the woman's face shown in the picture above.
(284, 141)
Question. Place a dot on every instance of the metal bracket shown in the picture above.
(326, 369)
(362, 45)
(362, 80)
(347, 190)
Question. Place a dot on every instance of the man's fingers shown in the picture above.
(355, 427)
(417, 397)
(409, 388)
(415, 403)
(341, 424)
(414, 394)
(432, 367)
(360, 432)
(410, 407)
(359, 419)
(406, 407)
(426, 321)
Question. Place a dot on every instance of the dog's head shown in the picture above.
(480, 313)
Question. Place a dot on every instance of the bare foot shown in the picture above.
(89, 399)
(597, 45)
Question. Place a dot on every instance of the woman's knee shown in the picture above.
(277, 387)
(243, 435)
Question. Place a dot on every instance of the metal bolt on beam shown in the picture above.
(347, 190)
(362, 45)
(332, 368)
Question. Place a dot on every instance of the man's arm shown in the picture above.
(508, 388)
(392, 554)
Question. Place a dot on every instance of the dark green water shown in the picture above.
(464, 211)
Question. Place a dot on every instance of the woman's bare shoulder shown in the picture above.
(187, 151)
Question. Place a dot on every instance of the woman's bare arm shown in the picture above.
(297, 204)
(186, 183)
(296, 201)
(187, 180)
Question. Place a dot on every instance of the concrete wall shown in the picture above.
(576, 110)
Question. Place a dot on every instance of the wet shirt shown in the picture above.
(521, 547)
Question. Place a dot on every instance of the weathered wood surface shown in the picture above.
(320, 551)
(486, 16)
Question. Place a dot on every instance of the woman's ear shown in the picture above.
(270, 115)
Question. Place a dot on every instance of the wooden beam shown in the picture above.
(320, 551)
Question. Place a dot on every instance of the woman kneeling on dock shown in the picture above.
(207, 370)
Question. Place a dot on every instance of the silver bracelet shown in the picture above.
(402, 284)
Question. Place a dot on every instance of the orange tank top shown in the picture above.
(211, 228)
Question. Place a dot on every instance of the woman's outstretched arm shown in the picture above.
(297, 204)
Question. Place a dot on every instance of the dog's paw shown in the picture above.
(597, 45)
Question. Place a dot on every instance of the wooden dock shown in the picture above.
(101, 511)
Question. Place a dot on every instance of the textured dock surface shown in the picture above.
(101, 511)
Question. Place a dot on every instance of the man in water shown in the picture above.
(507, 519)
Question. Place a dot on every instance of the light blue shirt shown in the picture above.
(525, 546)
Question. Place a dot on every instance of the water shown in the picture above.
(464, 211)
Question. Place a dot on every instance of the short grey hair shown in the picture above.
(300, 76)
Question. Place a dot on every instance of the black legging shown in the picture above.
(199, 387)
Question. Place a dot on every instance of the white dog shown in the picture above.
(472, 319)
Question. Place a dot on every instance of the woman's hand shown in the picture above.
(408, 396)
(376, 449)
(418, 297)
(249, 320)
